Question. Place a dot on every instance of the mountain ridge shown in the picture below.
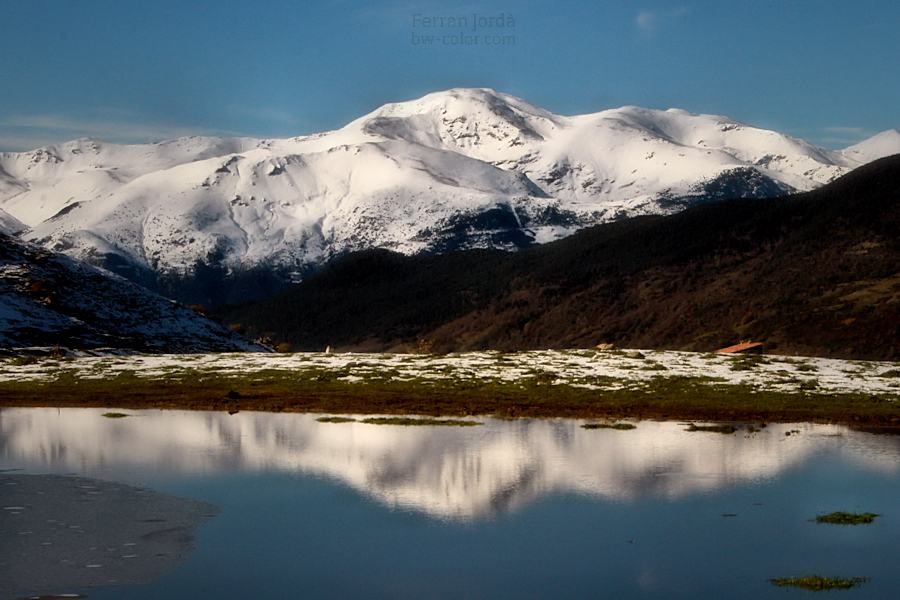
(233, 218)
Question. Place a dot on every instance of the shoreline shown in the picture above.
(583, 384)
(681, 402)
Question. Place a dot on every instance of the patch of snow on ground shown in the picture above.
(585, 368)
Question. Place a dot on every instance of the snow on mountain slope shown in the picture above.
(49, 299)
(9, 225)
(884, 144)
(621, 157)
(42, 182)
(455, 169)
(255, 206)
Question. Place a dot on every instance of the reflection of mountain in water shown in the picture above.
(60, 533)
(443, 471)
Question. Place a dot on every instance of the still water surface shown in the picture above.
(169, 504)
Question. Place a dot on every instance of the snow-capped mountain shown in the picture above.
(49, 299)
(884, 144)
(455, 169)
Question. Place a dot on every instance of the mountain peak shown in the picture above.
(878, 146)
(463, 119)
(460, 100)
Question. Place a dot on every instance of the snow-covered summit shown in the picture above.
(884, 144)
(589, 158)
(456, 169)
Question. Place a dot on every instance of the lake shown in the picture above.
(180, 504)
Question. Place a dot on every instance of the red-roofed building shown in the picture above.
(745, 347)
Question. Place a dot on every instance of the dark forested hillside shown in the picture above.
(815, 273)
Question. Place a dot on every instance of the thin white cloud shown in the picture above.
(647, 20)
(13, 142)
(845, 130)
(842, 141)
(651, 21)
(27, 132)
(836, 137)
(267, 114)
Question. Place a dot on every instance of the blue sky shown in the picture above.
(827, 71)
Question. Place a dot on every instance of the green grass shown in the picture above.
(816, 583)
(406, 422)
(618, 426)
(845, 518)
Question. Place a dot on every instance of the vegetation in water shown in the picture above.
(406, 421)
(845, 518)
(817, 583)
(619, 426)
(115, 415)
(336, 420)
(726, 429)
